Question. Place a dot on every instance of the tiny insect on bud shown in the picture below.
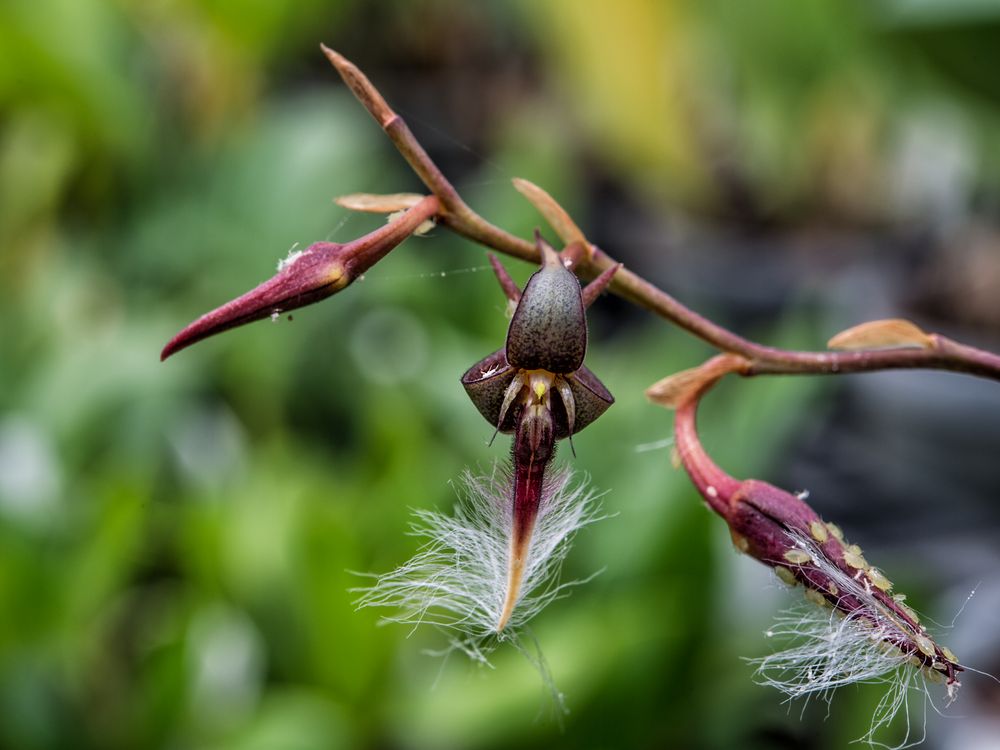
(785, 575)
(854, 558)
(818, 531)
(797, 556)
(816, 598)
(878, 580)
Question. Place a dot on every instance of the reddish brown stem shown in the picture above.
(765, 360)
(715, 485)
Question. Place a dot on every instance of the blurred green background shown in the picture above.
(176, 539)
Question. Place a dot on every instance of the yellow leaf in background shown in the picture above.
(634, 86)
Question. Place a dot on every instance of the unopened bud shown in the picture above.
(317, 272)
(875, 636)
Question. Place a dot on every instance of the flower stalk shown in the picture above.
(941, 354)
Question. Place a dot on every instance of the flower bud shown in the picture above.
(317, 272)
(781, 530)
(878, 637)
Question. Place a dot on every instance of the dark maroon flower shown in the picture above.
(538, 388)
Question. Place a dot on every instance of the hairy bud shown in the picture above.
(874, 635)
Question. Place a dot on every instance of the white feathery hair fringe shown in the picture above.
(458, 579)
(827, 650)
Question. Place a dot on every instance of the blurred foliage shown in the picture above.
(177, 541)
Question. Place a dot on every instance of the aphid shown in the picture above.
(818, 531)
(797, 556)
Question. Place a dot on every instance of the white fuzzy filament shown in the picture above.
(458, 580)
(827, 650)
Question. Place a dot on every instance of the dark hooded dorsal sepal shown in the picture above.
(549, 329)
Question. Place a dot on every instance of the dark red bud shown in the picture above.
(319, 271)
(779, 529)
(314, 275)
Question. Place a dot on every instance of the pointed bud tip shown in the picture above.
(549, 257)
(169, 349)
(332, 55)
(360, 86)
